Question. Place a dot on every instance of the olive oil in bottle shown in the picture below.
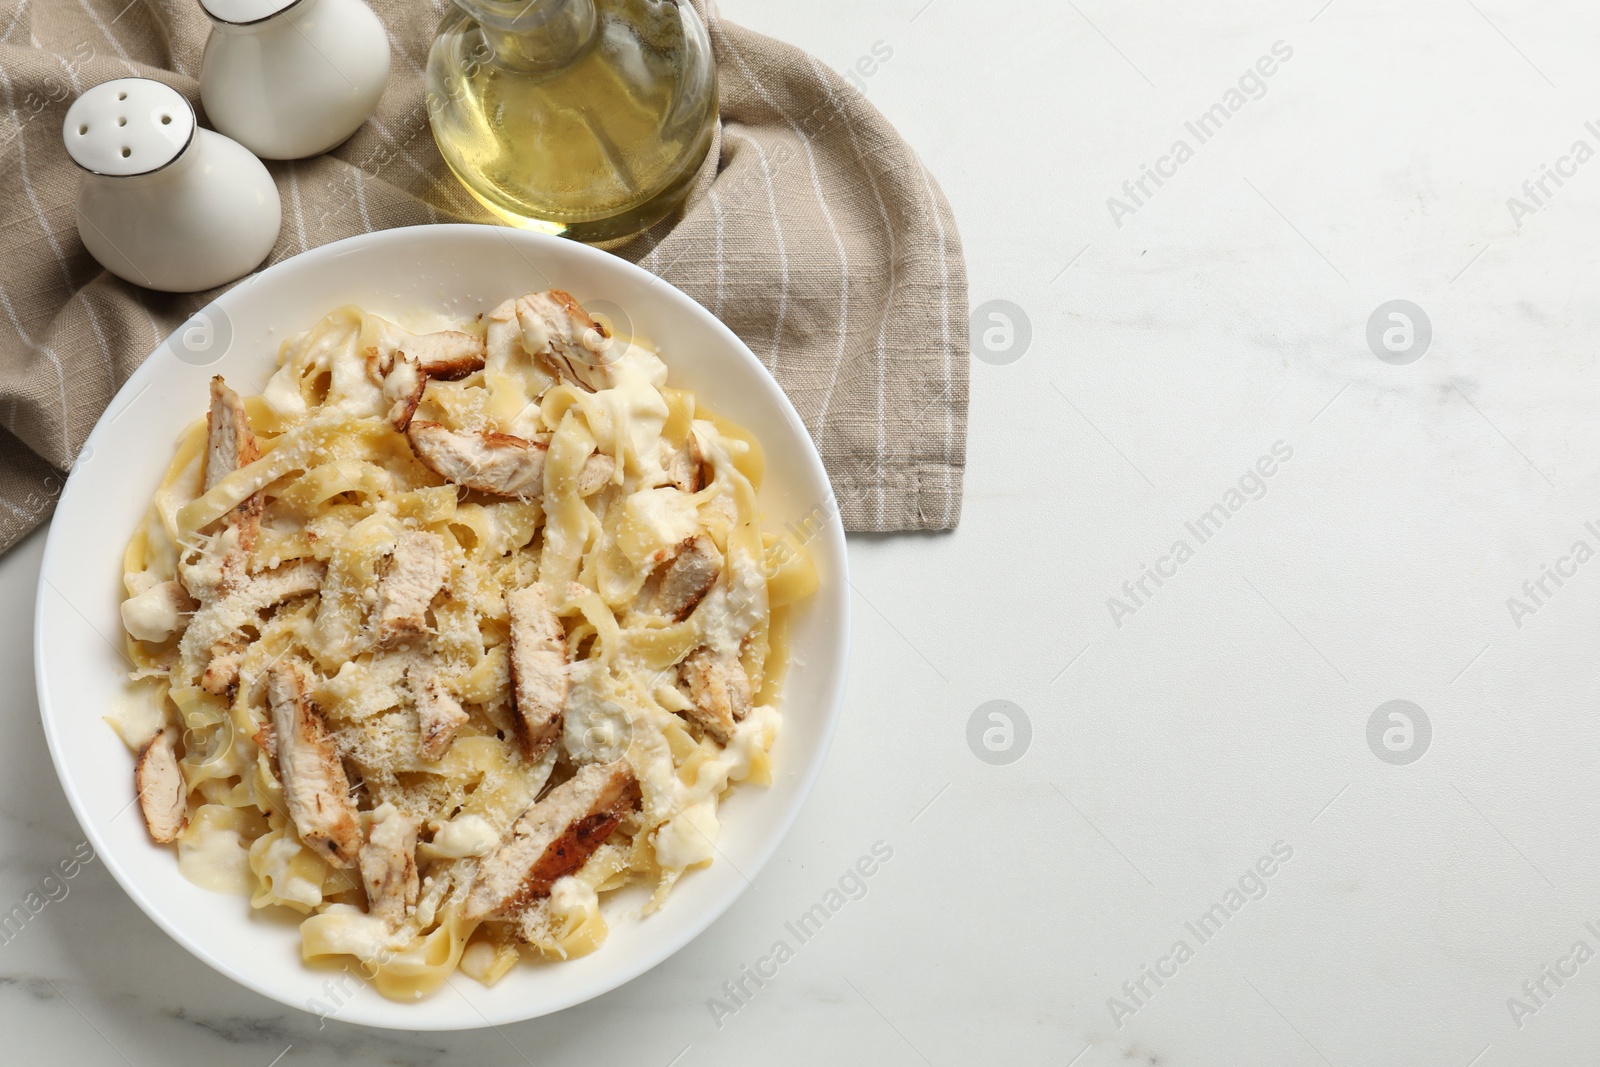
(586, 118)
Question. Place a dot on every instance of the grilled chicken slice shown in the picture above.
(402, 388)
(718, 688)
(388, 863)
(314, 782)
(683, 581)
(157, 613)
(687, 468)
(597, 471)
(221, 676)
(266, 741)
(439, 715)
(229, 446)
(539, 678)
(410, 577)
(446, 356)
(553, 838)
(494, 463)
(249, 596)
(293, 579)
(229, 442)
(163, 794)
(556, 327)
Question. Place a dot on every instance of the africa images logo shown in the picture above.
(1252, 85)
(1253, 885)
(1251, 485)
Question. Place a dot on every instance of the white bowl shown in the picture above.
(454, 271)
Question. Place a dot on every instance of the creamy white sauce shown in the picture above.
(346, 929)
(277, 864)
(153, 615)
(667, 515)
(732, 611)
(594, 728)
(282, 394)
(635, 411)
(137, 718)
(572, 901)
(216, 857)
(690, 835)
(350, 391)
(463, 836)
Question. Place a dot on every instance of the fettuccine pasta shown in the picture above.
(445, 636)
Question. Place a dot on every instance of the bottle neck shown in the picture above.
(533, 35)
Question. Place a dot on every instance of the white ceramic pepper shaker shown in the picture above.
(163, 203)
(292, 78)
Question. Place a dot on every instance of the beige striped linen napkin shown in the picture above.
(814, 232)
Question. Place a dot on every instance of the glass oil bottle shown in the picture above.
(585, 118)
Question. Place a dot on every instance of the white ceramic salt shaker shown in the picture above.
(163, 203)
(292, 78)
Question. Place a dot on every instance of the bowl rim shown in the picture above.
(805, 781)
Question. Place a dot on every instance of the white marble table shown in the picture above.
(1197, 732)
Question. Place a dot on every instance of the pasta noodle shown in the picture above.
(431, 596)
